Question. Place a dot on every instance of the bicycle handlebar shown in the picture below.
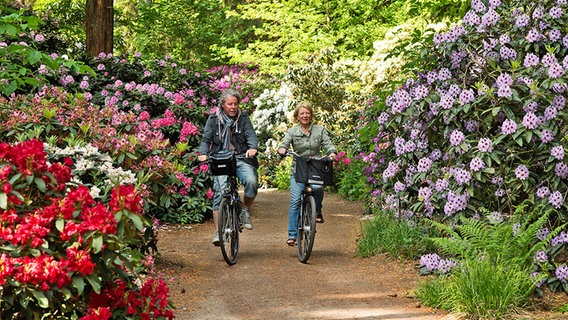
(293, 153)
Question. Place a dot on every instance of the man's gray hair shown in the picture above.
(229, 93)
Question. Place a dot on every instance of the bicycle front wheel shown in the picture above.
(228, 231)
(306, 228)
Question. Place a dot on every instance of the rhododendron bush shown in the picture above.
(483, 130)
(65, 255)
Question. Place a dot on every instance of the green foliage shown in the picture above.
(332, 89)
(68, 18)
(496, 263)
(384, 233)
(351, 183)
(186, 30)
(439, 9)
(282, 175)
(23, 67)
(512, 240)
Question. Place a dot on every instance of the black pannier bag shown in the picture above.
(314, 171)
(223, 163)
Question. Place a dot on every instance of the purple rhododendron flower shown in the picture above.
(456, 138)
(543, 192)
(509, 127)
(540, 256)
(557, 152)
(522, 172)
(476, 164)
(556, 199)
(561, 273)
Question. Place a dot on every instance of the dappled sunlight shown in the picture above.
(364, 295)
(358, 313)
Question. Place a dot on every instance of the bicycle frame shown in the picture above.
(306, 220)
(229, 224)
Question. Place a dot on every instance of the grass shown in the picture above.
(480, 289)
(386, 234)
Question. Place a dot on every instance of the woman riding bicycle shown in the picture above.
(229, 128)
(307, 139)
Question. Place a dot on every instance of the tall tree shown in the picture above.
(99, 25)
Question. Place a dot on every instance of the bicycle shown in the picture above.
(307, 216)
(229, 221)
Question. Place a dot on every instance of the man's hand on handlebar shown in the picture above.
(250, 153)
(202, 158)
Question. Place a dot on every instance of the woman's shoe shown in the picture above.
(291, 242)
(319, 218)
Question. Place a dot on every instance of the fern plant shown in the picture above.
(513, 240)
(497, 266)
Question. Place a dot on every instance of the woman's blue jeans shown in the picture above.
(248, 177)
(294, 210)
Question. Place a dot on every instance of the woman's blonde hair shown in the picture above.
(304, 105)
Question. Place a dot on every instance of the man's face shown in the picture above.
(231, 106)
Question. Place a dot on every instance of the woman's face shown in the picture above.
(304, 116)
(231, 106)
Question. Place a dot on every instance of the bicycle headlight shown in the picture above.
(309, 189)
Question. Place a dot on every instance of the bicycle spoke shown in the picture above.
(228, 231)
(306, 228)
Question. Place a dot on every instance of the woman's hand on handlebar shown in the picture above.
(282, 151)
(202, 158)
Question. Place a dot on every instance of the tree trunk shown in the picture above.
(99, 26)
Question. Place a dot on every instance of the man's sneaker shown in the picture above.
(216, 239)
(245, 218)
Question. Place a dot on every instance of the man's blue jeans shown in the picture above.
(294, 210)
(247, 176)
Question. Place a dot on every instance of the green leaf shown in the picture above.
(137, 221)
(528, 136)
(60, 224)
(79, 284)
(97, 244)
(7, 89)
(131, 156)
(3, 200)
(40, 184)
(41, 298)
(95, 282)
(34, 56)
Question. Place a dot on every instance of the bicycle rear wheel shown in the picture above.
(306, 228)
(228, 231)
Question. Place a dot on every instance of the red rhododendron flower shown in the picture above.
(7, 187)
(28, 156)
(125, 197)
(5, 171)
(101, 313)
(98, 218)
(79, 260)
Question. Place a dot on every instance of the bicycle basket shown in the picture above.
(223, 163)
(314, 171)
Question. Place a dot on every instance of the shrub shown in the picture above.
(481, 131)
(62, 251)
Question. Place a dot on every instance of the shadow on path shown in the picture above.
(268, 281)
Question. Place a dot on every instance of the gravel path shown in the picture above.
(268, 281)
